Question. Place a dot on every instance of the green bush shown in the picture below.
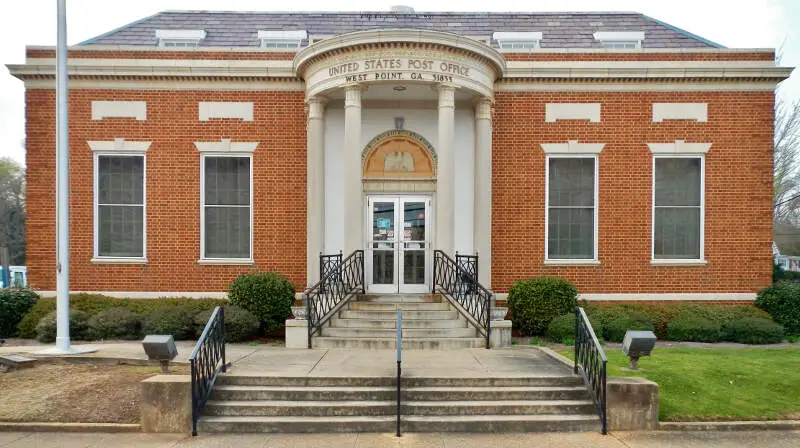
(95, 303)
(615, 329)
(694, 328)
(562, 328)
(14, 303)
(46, 329)
(268, 295)
(782, 302)
(781, 274)
(115, 323)
(177, 321)
(534, 302)
(754, 330)
(240, 325)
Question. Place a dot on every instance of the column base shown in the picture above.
(297, 333)
(501, 334)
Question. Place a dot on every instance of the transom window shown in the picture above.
(571, 210)
(678, 208)
(119, 206)
(226, 204)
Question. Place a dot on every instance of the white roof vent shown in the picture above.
(402, 9)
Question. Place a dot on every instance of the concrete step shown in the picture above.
(389, 343)
(233, 379)
(498, 407)
(424, 333)
(398, 298)
(337, 321)
(502, 423)
(299, 393)
(412, 306)
(254, 424)
(494, 393)
(531, 381)
(272, 408)
(351, 314)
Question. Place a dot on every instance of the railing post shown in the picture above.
(603, 403)
(399, 344)
(222, 335)
(309, 326)
(433, 280)
(577, 331)
(363, 275)
(193, 373)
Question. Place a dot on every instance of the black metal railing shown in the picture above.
(591, 363)
(453, 281)
(341, 281)
(206, 361)
(329, 262)
(469, 263)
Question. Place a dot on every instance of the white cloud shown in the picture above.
(756, 23)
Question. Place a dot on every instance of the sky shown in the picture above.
(732, 23)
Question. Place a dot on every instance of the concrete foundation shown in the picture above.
(296, 333)
(632, 404)
(167, 404)
(500, 335)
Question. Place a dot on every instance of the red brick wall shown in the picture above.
(173, 188)
(738, 190)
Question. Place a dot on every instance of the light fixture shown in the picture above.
(399, 88)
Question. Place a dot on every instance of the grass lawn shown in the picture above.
(719, 384)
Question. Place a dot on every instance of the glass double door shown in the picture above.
(398, 246)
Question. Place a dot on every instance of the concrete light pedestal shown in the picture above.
(296, 333)
(501, 334)
(631, 404)
(167, 404)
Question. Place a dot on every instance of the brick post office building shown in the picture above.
(620, 152)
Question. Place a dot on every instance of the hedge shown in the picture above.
(534, 302)
(782, 302)
(687, 327)
(93, 304)
(240, 324)
(14, 303)
(46, 328)
(267, 295)
(115, 323)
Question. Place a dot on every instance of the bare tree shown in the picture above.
(787, 162)
(12, 209)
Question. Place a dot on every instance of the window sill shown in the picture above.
(226, 261)
(111, 260)
(678, 262)
(572, 262)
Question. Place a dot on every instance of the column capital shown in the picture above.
(315, 107)
(483, 108)
(447, 94)
(352, 95)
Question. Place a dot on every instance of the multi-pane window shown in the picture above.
(571, 208)
(179, 43)
(677, 208)
(226, 211)
(278, 43)
(621, 44)
(519, 45)
(119, 213)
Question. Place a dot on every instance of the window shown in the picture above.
(119, 206)
(180, 38)
(518, 45)
(179, 43)
(290, 39)
(517, 40)
(678, 208)
(620, 39)
(226, 207)
(620, 44)
(571, 210)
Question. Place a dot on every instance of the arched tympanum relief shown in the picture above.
(399, 154)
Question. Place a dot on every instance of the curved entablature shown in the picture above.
(398, 154)
(399, 56)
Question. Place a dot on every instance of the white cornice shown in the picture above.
(572, 147)
(119, 145)
(679, 147)
(225, 145)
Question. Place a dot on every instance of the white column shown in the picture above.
(445, 179)
(315, 187)
(483, 189)
(353, 207)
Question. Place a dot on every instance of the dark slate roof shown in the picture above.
(560, 30)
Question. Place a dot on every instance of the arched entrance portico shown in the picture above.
(444, 77)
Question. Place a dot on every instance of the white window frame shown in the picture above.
(618, 39)
(516, 40)
(203, 258)
(169, 38)
(282, 39)
(96, 257)
(678, 261)
(571, 261)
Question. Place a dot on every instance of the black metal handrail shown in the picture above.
(336, 286)
(206, 361)
(469, 263)
(591, 363)
(452, 280)
(328, 262)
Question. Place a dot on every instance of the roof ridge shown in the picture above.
(205, 11)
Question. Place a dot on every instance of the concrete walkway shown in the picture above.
(710, 439)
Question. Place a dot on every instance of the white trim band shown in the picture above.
(666, 297)
(679, 147)
(209, 109)
(119, 109)
(680, 111)
(119, 145)
(572, 147)
(572, 111)
(225, 145)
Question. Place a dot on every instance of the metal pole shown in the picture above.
(399, 361)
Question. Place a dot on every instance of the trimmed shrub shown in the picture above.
(115, 323)
(14, 303)
(782, 302)
(535, 302)
(46, 329)
(694, 328)
(240, 325)
(615, 329)
(177, 321)
(268, 295)
(95, 303)
(754, 330)
(562, 328)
